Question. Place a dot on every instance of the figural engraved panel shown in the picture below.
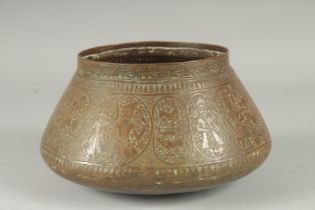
(210, 131)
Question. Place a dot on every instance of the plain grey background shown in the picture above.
(272, 49)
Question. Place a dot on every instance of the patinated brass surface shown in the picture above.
(155, 118)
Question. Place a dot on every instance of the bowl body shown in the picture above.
(155, 118)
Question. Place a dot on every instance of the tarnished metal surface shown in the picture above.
(155, 118)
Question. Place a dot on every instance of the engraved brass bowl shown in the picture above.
(155, 118)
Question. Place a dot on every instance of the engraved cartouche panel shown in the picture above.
(172, 139)
(210, 131)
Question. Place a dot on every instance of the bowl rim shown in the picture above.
(83, 55)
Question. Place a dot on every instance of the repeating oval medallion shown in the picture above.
(133, 128)
(172, 139)
(121, 127)
(97, 144)
(209, 129)
(245, 123)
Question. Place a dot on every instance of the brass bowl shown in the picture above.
(155, 118)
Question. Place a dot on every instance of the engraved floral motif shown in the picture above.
(172, 140)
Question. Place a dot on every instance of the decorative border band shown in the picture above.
(152, 88)
(200, 171)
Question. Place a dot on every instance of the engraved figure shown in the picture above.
(97, 145)
(210, 133)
